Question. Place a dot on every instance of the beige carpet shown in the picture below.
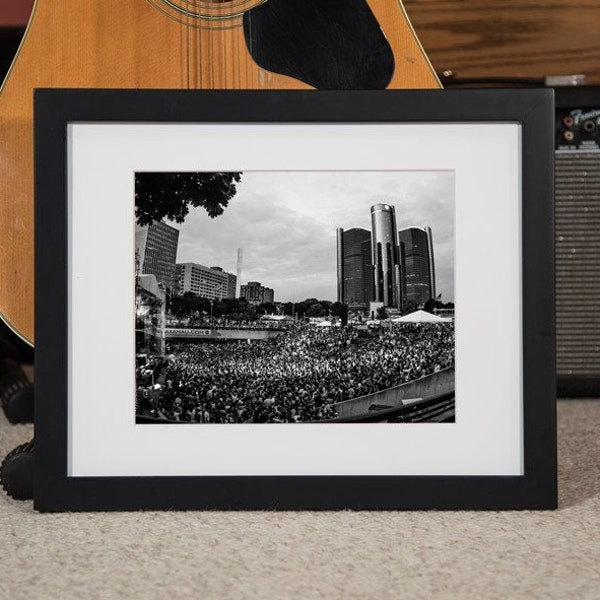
(427, 555)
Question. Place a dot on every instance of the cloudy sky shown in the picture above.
(286, 222)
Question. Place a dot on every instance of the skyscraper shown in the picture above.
(355, 273)
(156, 250)
(420, 265)
(385, 256)
(432, 284)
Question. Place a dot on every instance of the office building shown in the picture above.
(207, 282)
(255, 293)
(354, 268)
(156, 252)
(419, 264)
(231, 282)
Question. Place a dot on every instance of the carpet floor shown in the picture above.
(263, 555)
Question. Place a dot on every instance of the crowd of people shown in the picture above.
(204, 322)
(296, 376)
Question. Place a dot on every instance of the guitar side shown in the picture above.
(413, 68)
(114, 44)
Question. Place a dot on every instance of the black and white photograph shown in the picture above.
(295, 296)
(294, 304)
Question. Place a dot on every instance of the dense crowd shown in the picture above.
(229, 323)
(296, 376)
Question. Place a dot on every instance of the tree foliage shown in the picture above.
(411, 306)
(432, 304)
(170, 195)
(381, 313)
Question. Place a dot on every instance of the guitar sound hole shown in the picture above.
(206, 13)
(335, 45)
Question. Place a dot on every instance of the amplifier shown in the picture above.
(577, 229)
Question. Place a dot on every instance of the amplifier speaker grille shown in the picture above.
(577, 214)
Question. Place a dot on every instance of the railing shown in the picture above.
(429, 386)
(437, 409)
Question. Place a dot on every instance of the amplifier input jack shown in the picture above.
(568, 121)
(568, 136)
(588, 126)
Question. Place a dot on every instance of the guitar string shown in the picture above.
(210, 58)
(235, 75)
(182, 53)
(195, 59)
(247, 80)
(248, 83)
(199, 74)
(224, 55)
(187, 48)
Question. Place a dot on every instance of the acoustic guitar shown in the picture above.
(182, 44)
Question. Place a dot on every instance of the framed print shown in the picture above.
(294, 300)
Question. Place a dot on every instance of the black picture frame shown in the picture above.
(55, 490)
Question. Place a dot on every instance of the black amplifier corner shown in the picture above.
(577, 229)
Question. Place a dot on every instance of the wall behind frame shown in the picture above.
(515, 38)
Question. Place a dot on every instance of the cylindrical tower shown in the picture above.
(238, 272)
(385, 255)
(340, 265)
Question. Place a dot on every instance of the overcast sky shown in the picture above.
(286, 224)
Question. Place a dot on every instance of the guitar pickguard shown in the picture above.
(332, 44)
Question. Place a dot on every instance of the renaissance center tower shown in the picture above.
(385, 256)
(420, 265)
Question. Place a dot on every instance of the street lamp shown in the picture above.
(215, 287)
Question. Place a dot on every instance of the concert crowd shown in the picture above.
(296, 376)
(204, 322)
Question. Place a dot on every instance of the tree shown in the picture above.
(381, 313)
(180, 307)
(315, 310)
(337, 309)
(187, 305)
(343, 313)
(169, 195)
(411, 306)
(267, 308)
(430, 305)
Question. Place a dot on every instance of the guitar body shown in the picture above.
(172, 44)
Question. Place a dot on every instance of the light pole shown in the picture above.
(215, 287)
(162, 324)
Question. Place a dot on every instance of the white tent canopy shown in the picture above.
(324, 324)
(420, 316)
(276, 318)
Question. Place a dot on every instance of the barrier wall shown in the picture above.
(183, 333)
(436, 384)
